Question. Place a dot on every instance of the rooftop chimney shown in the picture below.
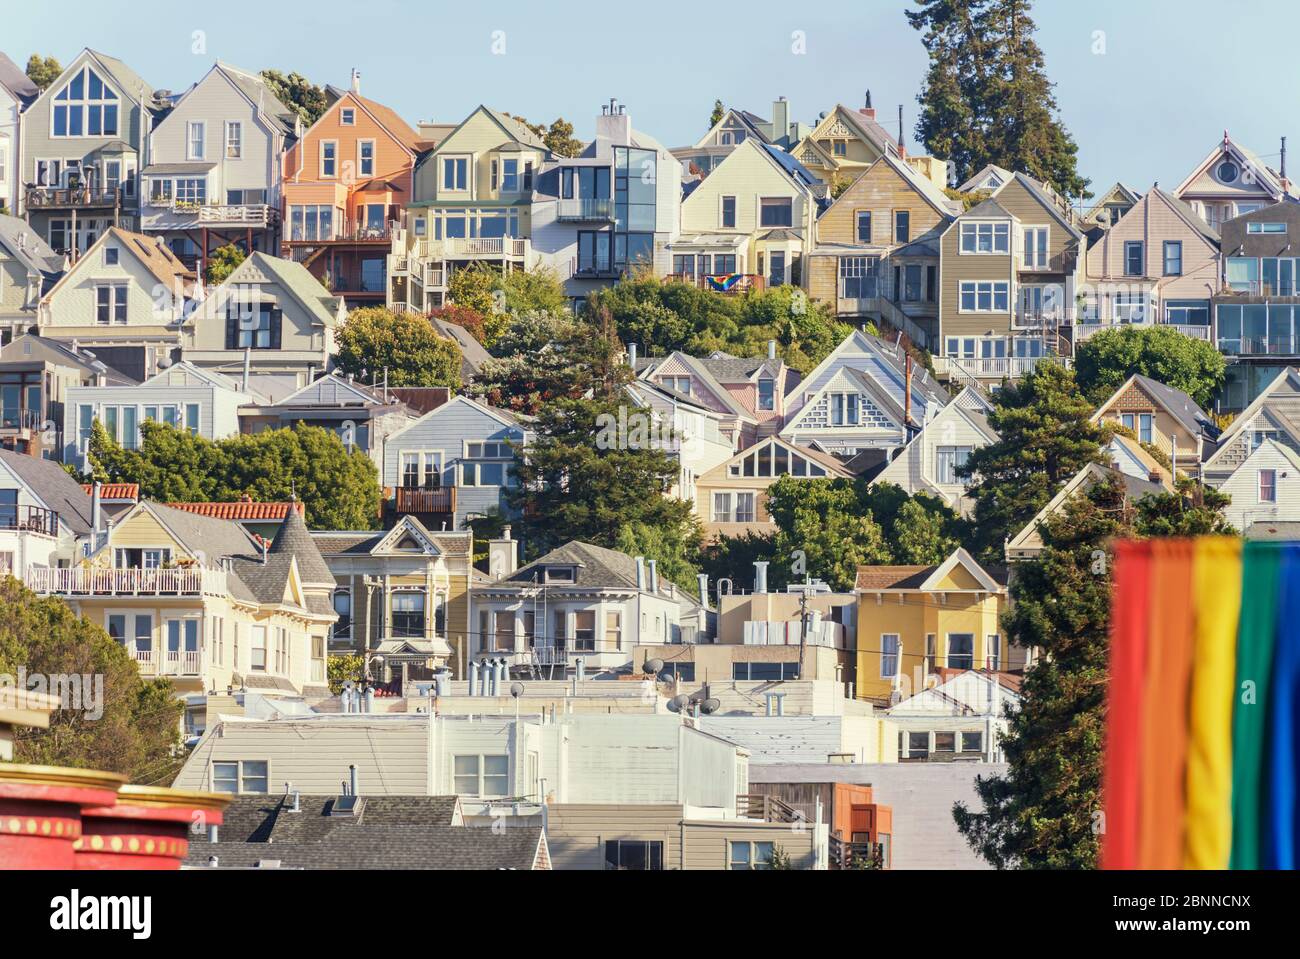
(640, 573)
(780, 118)
(771, 349)
(704, 589)
(95, 496)
(760, 576)
(902, 150)
(352, 780)
(654, 576)
(1282, 171)
(503, 555)
(631, 356)
(356, 80)
(613, 124)
(868, 110)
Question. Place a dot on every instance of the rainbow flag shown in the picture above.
(1203, 706)
(724, 281)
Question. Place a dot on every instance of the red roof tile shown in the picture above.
(240, 511)
(129, 491)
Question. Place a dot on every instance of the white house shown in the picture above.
(1265, 488)
(16, 93)
(204, 402)
(929, 463)
(44, 513)
(961, 718)
(690, 430)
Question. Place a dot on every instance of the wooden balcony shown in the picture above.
(29, 519)
(422, 501)
(68, 198)
(722, 282)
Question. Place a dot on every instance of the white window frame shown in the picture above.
(1031, 256)
(480, 774)
(468, 160)
(240, 777)
(190, 127)
(997, 229)
(334, 159)
(117, 302)
(890, 652)
(347, 116)
(361, 161)
(994, 289)
(1271, 486)
(84, 104)
(235, 127)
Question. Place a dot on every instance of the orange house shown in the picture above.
(346, 183)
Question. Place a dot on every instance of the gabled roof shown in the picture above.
(28, 247)
(752, 123)
(211, 377)
(504, 417)
(16, 81)
(928, 192)
(295, 278)
(833, 465)
(51, 485)
(1251, 412)
(1119, 190)
(985, 209)
(350, 391)
(597, 567)
(889, 359)
(1003, 174)
(1042, 194)
(1173, 401)
(871, 131)
(871, 579)
(1085, 479)
(472, 353)
(1264, 175)
(149, 251)
(255, 90)
(43, 348)
(117, 73)
(406, 526)
(388, 118)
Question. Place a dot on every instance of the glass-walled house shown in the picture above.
(1257, 308)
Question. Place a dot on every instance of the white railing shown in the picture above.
(255, 214)
(993, 367)
(195, 581)
(470, 247)
(183, 662)
(1087, 328)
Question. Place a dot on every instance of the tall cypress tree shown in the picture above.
(987, 97)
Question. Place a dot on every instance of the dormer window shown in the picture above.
(562, 575)
(767, 394)
(86, 106)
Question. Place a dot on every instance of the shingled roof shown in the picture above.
(385, 832)
(294, 539)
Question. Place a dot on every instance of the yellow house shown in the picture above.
(846, 141)
(200, 601)
(471, 202)
(915, 620)
(754, 214)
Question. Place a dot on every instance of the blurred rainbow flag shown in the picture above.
(1203, 706)
(723, 282)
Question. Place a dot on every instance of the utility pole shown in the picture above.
(803, 624)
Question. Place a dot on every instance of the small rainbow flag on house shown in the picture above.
(1203, 706)
(723, 282)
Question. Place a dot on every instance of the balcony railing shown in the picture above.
(171, 662)
(30, 519)
(1259, 345)
(491, 247)
(588, 209)
(126, 582)
(46, 197)
(439, 500)
(19, 419)
(722, 282)
(994, 367)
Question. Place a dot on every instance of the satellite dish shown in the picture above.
(678, 703)
(710, 706)
(653, 666)
(516, 690)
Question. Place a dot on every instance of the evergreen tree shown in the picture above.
(719, 111)
(1105, 361)
(43, 71)
(298, 94)
(1046, 436)
(987, 97)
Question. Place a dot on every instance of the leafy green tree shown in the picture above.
(340, 669)
(532, 291)
(222, 263)
(375, 342)
(1046, 436)
(1105, 360)
(338, 487)
(559, 139)
(671, 549)
(573, 486)
(43, 71)
(986, 96)
(134, 729)
(825, 520)
(298, 93)
(477, 287)
(1042, 813)
(921, 536)
(546, 357)
(719, 111)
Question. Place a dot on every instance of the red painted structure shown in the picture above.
(147, 828)
(41, 809)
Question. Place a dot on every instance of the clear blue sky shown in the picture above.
(1175, 72)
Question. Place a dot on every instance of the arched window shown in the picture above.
(85, 107)
(343, 607)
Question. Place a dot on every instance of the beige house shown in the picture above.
(199, 601)
(1164, 417)
(1010, 269)
(271, 316)
(125, 298)
(1111, 207)
(730, 499)
(754, 215)
(877, 253)
(470, 202)
(28, 268)
(1158, 264)
(1231, 180)
(402, 596)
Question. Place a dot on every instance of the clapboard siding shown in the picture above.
(577, 832)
